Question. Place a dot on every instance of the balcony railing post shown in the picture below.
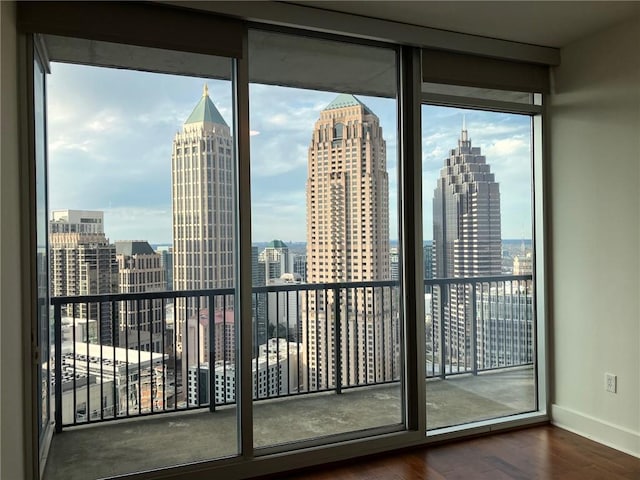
(57, 322)
(474, 330)
(212, 355)
(338, 341)
(443, 354)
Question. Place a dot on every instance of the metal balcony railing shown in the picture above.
(124, 355)
(479, 324)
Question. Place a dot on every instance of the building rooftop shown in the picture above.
(277, 244)
(205, 111)
(129, 248)
(91, 355)
(347, 100)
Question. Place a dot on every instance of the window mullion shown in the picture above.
(243, 271)
(410, 215)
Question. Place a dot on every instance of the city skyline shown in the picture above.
(128, 123)
(349, 190)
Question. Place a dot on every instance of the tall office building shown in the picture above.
(140, 270)
(258, 302)
(202, 199)
(274, 260)
(166, 260)
(347, 240)
(466, 239)
(428, 260)
(300, 265)
(83, 262)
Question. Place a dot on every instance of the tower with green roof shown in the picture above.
(202, 200)
(348, 236)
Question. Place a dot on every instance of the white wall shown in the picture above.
(595, 240)
(12, 456)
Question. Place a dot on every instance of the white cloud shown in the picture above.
(61, 144)
(104, 122)
(433, 138)
(127, 223)
(279, 119)
(506, 147)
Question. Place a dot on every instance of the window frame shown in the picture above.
(410, 229)
(536, 112)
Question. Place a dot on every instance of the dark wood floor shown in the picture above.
(535, 453)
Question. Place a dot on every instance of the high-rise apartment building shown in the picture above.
(505, 325)
(347, 240)
(277, 370)
(283, 308)
(258, 302)
(200, 347)
(77, 221)
(83, 262)
(140, 270)
(202, 199)
(466, 239)
(394, 263)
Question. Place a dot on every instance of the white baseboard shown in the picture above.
(609, 434)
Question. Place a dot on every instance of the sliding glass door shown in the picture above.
(479, 265)
(327, 328)
(142, 245)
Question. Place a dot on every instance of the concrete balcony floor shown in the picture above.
(133, 445)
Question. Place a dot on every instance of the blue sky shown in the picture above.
(110, 134)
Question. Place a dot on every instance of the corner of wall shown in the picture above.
(594, 229)
(12, 410)
(608, 434)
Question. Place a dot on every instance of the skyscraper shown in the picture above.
(258, 302)
(275, 260)
(466, 238)
(83, 262)
(202, 199)
(427, 252)
(140, 269)
(347, 239)
(300, 265)
(166, 261)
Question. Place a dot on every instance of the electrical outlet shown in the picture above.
(611, 382)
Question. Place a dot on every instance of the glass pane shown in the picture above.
(44, 323)
(480, 343)
(142, 188)
(327, 327)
